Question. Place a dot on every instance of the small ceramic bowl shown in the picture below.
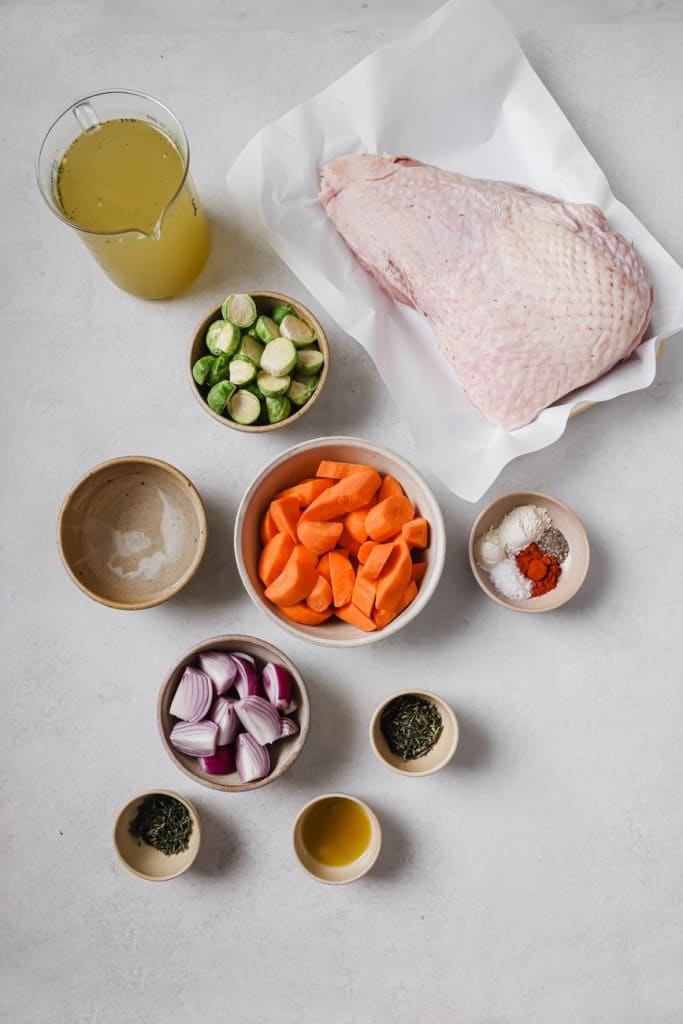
(265, 303)
(302, 461)
(348, 872)
(143, 860)
(440, 754)
(574, 568)
(132, 532)
(283, 753)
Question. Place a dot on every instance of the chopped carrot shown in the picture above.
(320, 598)
(394, 578)
(390, 488)
(349, 543)
(363, 595)
(365, 550)
(354, 523)
(342, 578)
(387, 517)
(338, 470)
(319, 537)
(383, 618)
(416, 533)
(285, 513)
(304, 615)
(324, 567)
(274, 557)
(418, 570)
(296, 580)
(268, 529)
(376, 561)
(306, 491)
(349, 613)
(348, 494)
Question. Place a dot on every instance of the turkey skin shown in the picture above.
(529, 297)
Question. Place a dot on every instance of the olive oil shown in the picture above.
(123, 184)
(336, 831)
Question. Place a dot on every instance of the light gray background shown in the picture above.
(536, 880)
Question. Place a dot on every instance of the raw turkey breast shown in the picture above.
(529, 297)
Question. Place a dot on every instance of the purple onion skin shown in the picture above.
(220, 763)
(247, 683)
(288, 727)
(277, 686)
(252, 759)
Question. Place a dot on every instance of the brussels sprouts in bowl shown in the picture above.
(258, 361)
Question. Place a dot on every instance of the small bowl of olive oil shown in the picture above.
(337, 838)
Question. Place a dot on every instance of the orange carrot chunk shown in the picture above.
(268, 529)
(305, 491)
(319, 537)
(338, 470)
(416, 533)
(387, 517)
(274, 557)
(320, 598)
(349, 613)
(324, 567)
(285, 513)
(390, 488)
(354, 523)
(418, 570)
(363, 595)
(304, 615)
(394, 578)
(376, 561)
(383, 618)
(342, 578)
(296, 580)
(365, 550)
(348, 494)
(348, 543)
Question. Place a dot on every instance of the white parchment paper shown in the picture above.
(457, 92)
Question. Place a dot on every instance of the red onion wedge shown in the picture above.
(193, 696)
(252, 760)
(224, 715)
(277, 684)
(259, 718)
(220, 668)
(244, 657)
(220, 763)
(247, 682)
(288, 727)
(198, 739)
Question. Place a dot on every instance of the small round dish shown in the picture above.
(574, 568)
(132, 532)
(283, 753)
(302, 461)
(266, 302)
(143, 860)
(436, 758)
(348, 872)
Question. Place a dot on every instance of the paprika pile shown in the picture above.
(543, 570)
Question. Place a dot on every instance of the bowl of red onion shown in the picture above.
(233, 713)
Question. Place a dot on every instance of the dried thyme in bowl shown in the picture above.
(411, 726)
(163, 823)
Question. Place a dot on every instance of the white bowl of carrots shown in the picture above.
(340, 541)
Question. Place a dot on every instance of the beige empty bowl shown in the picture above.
(436, 758)
(132, 532)
(339, 875)
(302, 461)
(574, 568)
(266, 303)
(143, 860)
(283, 753)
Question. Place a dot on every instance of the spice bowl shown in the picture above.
(132, 532)
(437, 756)
(302, 461)
(574, 567)
(282, 753)
(340, 874)
(145, 861)
(266, 302)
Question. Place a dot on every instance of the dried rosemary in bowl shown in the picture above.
(411, 726)
(162, 822)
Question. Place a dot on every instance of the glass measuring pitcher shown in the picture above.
(115, 167)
